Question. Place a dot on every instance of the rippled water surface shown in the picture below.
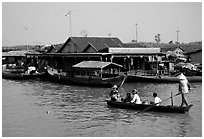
(37, 108)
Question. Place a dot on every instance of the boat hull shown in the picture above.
(164, 79)
(22, 76)
(87, 81)
(165, 109)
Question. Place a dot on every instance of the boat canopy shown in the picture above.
(95, 65)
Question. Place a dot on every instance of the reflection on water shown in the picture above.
(48, 109)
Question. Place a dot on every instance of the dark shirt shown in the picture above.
(112, 93)
(128, 98)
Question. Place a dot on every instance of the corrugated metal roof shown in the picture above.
(94, 64)
(134, 50)
(187, 47)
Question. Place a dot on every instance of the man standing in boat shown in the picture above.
(184, 86)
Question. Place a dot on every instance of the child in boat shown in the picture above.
(136, 98)
(114, 94)
(157, 100)
(128, 98)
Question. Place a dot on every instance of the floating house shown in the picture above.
(78, 49)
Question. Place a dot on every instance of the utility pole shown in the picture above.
(136, 33)
(177, 35)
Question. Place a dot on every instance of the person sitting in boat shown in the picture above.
(157, 100)
(128, 98)
(31, 70)
(136, 98)
(114, 94)
(184, 86)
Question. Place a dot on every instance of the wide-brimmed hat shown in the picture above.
(182, 77)
(115, 86)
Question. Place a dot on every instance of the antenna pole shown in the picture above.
(136, 33)
(70, 28)
(70, 20)
(177, 35)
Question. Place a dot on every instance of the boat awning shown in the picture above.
(95, 65)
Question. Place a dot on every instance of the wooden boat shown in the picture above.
(162, 79)
(189, 69)
(90, 73)
(21, 75)
(166, 109)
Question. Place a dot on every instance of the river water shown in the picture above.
(39, 109)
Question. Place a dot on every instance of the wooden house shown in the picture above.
(195, 56)
(78, 49)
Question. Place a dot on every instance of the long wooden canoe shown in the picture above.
(165, 109)
(162, 79)
(22, 76)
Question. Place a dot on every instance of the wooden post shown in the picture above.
(101, 73)
(172, 103)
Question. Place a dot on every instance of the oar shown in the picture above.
(122, 82)
(157, 103)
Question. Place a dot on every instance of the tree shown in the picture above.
(157, 38)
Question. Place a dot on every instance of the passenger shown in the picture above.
(31, 70)
(157, 100)
(114, 94)
(128, 98)
(136, 98)
(184, 86)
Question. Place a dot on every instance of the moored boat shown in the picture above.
(90, 73)
(22, 75)
(148, 107)
(164, 79)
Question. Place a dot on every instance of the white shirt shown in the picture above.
(184, 86)
(157, 100)
(136, 99)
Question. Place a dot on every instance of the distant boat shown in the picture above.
(165, 109)
(162, 79)
(90, 73)
(188, 69)
(20, 75)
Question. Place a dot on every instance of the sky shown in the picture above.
(46, 23)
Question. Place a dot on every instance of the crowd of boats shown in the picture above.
(97, 73)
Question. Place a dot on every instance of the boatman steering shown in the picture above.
(184, 86)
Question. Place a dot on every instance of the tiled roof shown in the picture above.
(94, 64)
(98, 42)
(55, 46)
